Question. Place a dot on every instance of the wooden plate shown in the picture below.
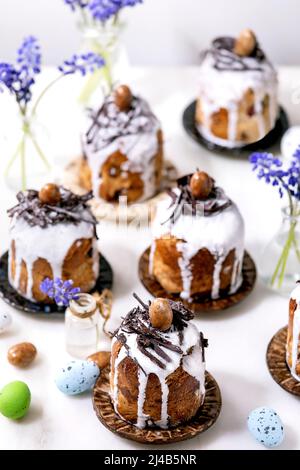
(206, 417)
(200, 304)
(15, 300)
(271, 139)
(138, 211)
(277, 365)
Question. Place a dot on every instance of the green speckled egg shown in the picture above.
(15, 400)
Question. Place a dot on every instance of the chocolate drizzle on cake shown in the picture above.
(150, 339)
(110, 123)
(70, 209)
(225, 59)
(185, 202)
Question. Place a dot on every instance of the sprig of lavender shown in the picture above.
(62, 292)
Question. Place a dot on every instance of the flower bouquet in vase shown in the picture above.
(19, 79)
(101, 29)
(280, 260)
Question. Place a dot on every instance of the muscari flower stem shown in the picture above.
(94, 79)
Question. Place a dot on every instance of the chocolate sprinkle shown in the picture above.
(226, 60)
(186, 204)
(68, 210)
(150, 339)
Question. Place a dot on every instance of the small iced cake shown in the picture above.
(237, 103)
(198, 240)
(293, 339)
(52, 235)
(123, 149)
(158, 365)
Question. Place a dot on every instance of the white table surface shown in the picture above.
(238, 337)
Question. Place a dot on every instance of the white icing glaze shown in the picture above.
(51, 244)
(226, 89)
(140, 148)
(192, 363)
(219, 233)
(296, 333)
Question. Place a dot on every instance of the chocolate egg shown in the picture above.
(201, 185)
(123, 97)
(15, 400)
(161, 314)
(21, 354)
(50, 194)
(245, 43)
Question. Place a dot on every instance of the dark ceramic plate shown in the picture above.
(271, 139)
(204, 419)
(12, 298)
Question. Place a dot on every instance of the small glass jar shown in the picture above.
(82, 326)
(279, 264)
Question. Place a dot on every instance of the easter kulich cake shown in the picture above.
(293, 337)
(197, 240)
(123, 149)
(158, 366)
(237, 102)
(52, 235)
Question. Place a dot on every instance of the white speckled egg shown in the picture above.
(290, 142)
(77, 377)
(266, 426)
(5, 321)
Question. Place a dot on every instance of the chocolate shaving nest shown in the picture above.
(186, 204)
(150, 339)
(226, 60)
(68, 210)
(109, 122)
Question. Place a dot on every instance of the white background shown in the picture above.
(238, 337)
(164, 32)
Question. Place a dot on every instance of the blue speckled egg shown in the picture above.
(266, 426)
(77, 377)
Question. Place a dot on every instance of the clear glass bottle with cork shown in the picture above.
(82, 326)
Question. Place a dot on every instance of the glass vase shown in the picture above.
(280, 261)
(27, 165)
(104, 39)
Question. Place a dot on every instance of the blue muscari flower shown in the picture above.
(83, 64)
(104, 9)
(29, 55)
(62, 292)
(76, 3)
(269, 168)
(20, 77)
